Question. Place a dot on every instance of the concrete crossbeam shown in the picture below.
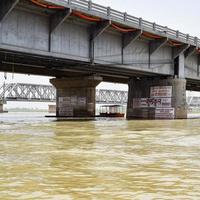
(58, 18)
(179, 50)
(156, 45)
(99, 28)
(6, 6)
(190, 51)
(129, 38)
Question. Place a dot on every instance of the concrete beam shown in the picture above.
(6, 6)
(198, 65)
(99, 29)
(130, 37)
(96, 31)
(190, 51)
(58, 18)
(179, 50)
(39, 71)
(155, 45)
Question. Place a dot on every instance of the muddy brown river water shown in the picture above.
(42, 158)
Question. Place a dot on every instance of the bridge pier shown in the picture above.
(157, 98)
(76, 96)
(1, 107)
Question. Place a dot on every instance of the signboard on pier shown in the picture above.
(152, 103)
(161, 92)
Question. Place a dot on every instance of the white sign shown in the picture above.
(164, 113)
(74, 100)
(140, 103)
(160, 102)
(81, 101)
(152, 102)
(161, 91)
(66, 111)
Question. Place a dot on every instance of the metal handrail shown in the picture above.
(89, 7)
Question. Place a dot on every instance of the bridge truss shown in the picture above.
(47, 93)
(27, 92)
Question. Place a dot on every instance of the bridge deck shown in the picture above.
(108, 13)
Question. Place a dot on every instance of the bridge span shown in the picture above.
(82, 43)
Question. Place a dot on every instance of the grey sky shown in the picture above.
(177, 14)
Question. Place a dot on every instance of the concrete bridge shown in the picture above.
(82, 43)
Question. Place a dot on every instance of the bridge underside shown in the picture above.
(17, 62)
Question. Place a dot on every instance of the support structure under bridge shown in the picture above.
(47, 93)
(81, 44)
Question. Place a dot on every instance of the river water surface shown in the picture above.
(98, 160)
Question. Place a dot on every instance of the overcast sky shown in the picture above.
(177, 14)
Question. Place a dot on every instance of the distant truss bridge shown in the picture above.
(47, 93)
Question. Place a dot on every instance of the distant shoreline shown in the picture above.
(26, 110)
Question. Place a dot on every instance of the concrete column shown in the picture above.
(138, 88)
(76, 96)
(1, 107)
(179, 101)
(141, 89)
(181, 66)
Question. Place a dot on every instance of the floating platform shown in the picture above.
(61, 118)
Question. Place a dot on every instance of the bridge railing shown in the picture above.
(124, 18)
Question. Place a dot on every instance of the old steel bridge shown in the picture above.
(47, 93)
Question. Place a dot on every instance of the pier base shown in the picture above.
(157, 98)
(76, 97)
